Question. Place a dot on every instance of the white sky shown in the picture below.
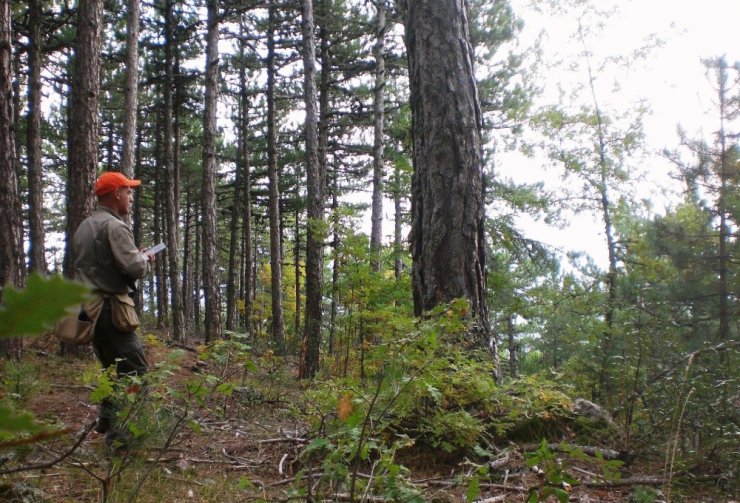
(671, 79)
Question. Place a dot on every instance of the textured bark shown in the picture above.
(83, 119)
(323, 139)
(211, 281)
(276, 266)
(33, 141)
(246, 285)
(232, 278)
(130, 89)
(315, 205)
(378, 105)
(447, 203)
(10, 216)
(172, 207)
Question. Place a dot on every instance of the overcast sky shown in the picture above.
(671, 79)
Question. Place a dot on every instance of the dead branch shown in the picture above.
(607, 454)
(48, 464)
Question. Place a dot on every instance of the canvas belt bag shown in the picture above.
(123, 313)
(79, 328)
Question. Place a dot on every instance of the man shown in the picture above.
(108, 261)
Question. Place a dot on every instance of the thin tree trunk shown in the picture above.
(211, 281)
(187, 284)
(604, 389)
(231, 274)
(378, 143)
(33, 141)
(335, 263)
(130, 88)
(297, 266)
(315, 204)
(397, 225)
(278, 321)
(136, 216)
(172, 207)
(247, 197)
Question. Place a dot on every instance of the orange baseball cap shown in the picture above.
(112, 180)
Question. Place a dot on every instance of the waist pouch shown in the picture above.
(79, 328)
(123, 313)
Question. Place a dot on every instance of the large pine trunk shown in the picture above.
(211, 283)
(10, 215)
(10, 223)
(83, 120)
(315, 205)
(447, 197)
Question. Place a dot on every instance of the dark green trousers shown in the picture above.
(122, 349)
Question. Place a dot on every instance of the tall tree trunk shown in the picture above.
(19, 173)
(10, 216)
(246, 284)
(278, 320)
(83, 120)
(323, 141)
(172, 207)
(397, 225)
(211, 281)
(297, 265)
(136, 216)
(315, 204)
(130, 88)
(335, 262)
(197, 281)
(447, 204)
(160, 272)
(602, 187)
(725, 111)
(187, 284)
(236, 211)
(376, 231)
(33, 140)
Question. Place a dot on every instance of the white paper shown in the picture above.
(156, 249)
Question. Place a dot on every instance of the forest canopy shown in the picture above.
(326, 176)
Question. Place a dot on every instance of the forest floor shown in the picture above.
(249, 452)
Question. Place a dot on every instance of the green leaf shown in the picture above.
(15, 421)
(560, 494)
(244, 483)
(473, 490)
(31, 311)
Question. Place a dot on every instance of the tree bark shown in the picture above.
(211, 281)
(378, 105)
(130, 90)
(447, 236)
(10, 216)
(278, 320)
(315, 205)
(246, 285)
(83, 120)
(33, 141)
(172, 207)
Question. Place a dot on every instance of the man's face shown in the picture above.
(125, 199)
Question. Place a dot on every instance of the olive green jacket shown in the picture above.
(105, 255)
